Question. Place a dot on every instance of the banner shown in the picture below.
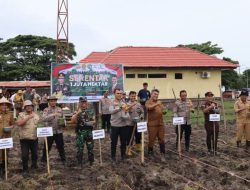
(70, 81)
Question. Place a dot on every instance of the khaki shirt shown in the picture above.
(135, 111)
(155, 115)
(6, 120)
(242, 116)
(28, 130)
(104, 104)
(51, 120)
(183, 109)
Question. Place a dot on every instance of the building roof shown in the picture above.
(13, 84)
(157, 57)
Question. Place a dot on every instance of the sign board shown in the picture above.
(70, 81)
(44, 132)
(178, 120)
(142, 127)
(98, 134)
(6, 143)
(214, 117)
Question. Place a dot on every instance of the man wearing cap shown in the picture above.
(85, 120)
(61, 86)
(242, 110)
(156, 128)
(51, 116)
(104, 104)
(143, 96)
(28, 121)
(211, 107)
(6, 120)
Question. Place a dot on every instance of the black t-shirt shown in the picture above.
(144, 95)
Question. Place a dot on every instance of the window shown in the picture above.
(130, 76)
(142, 75)
(178, 75)
(157, 75)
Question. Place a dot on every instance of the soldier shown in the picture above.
(182, 108)
(211, 107)
(6, 120)
(61, 86)
(27, 121)
(104, 104)
(119, 115)
(242, 110)
(156, 128)
(85, 121)
(136, 113)
(51, 116)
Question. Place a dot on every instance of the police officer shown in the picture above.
(51, 116)
(85, 120)
(242, 110)
(61, 86)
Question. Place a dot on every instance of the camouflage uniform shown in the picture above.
(84, 135)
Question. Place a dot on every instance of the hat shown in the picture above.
(61, 75)
(27, 103)
(3, 100)
(244, 93)
(83, 99)
(209, 94)
(52, 98)
(19, 92)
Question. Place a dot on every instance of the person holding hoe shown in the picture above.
(28, 121)
(85, 121)
(6, 124)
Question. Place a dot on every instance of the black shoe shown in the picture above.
(238, 143)
(34, 166)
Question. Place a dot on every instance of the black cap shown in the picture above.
(83, 99)
(244, 93)
(61, 75)
(209, 94)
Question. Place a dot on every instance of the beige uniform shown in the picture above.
(28, 131)
(6, 120)
(242, 119)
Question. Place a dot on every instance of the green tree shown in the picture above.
(28, 57)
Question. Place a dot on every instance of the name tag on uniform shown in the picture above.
(44, 132)
(142, 127)
(98, 134)
(178, 120)
(214, 117)
(6, 143)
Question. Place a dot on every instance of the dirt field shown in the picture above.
(192, 171)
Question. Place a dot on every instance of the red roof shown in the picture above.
(25, 83)
(157, 57)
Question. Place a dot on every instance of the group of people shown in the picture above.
(119, 118)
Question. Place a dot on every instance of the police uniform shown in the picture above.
(64, 88)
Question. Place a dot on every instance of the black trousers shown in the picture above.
(187, 130)
(26, 146)
(58, 138)
(116, 132)
(106, 121)
(136, 135)
(211, 144)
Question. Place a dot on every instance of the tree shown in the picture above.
(207, 48)
(28, 57)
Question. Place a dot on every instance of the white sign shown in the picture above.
(214, 117)
(178, 120)
(98, 134)
(6, 143)
(142, 127)
(44, 132)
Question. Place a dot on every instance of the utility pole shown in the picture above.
(62, 46)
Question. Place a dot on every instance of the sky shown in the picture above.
(102, 25)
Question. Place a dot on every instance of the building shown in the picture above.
(166, 69)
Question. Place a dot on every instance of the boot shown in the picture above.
(34, 165)
(91, 159)
(162, 148)
(238, 143)
(138, 147)
(150, 151)
(129, 151)
(247, 145)
(1, 170)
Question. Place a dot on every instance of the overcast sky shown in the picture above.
(102, 25)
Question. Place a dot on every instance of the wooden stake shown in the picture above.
(131, 139)
(179, 140)
(47, 154)
(198, 109)
(214, 136)
(6, 162)
(100, 149)
(142, 147)
(224, 114)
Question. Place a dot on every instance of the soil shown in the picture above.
(228, 170)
